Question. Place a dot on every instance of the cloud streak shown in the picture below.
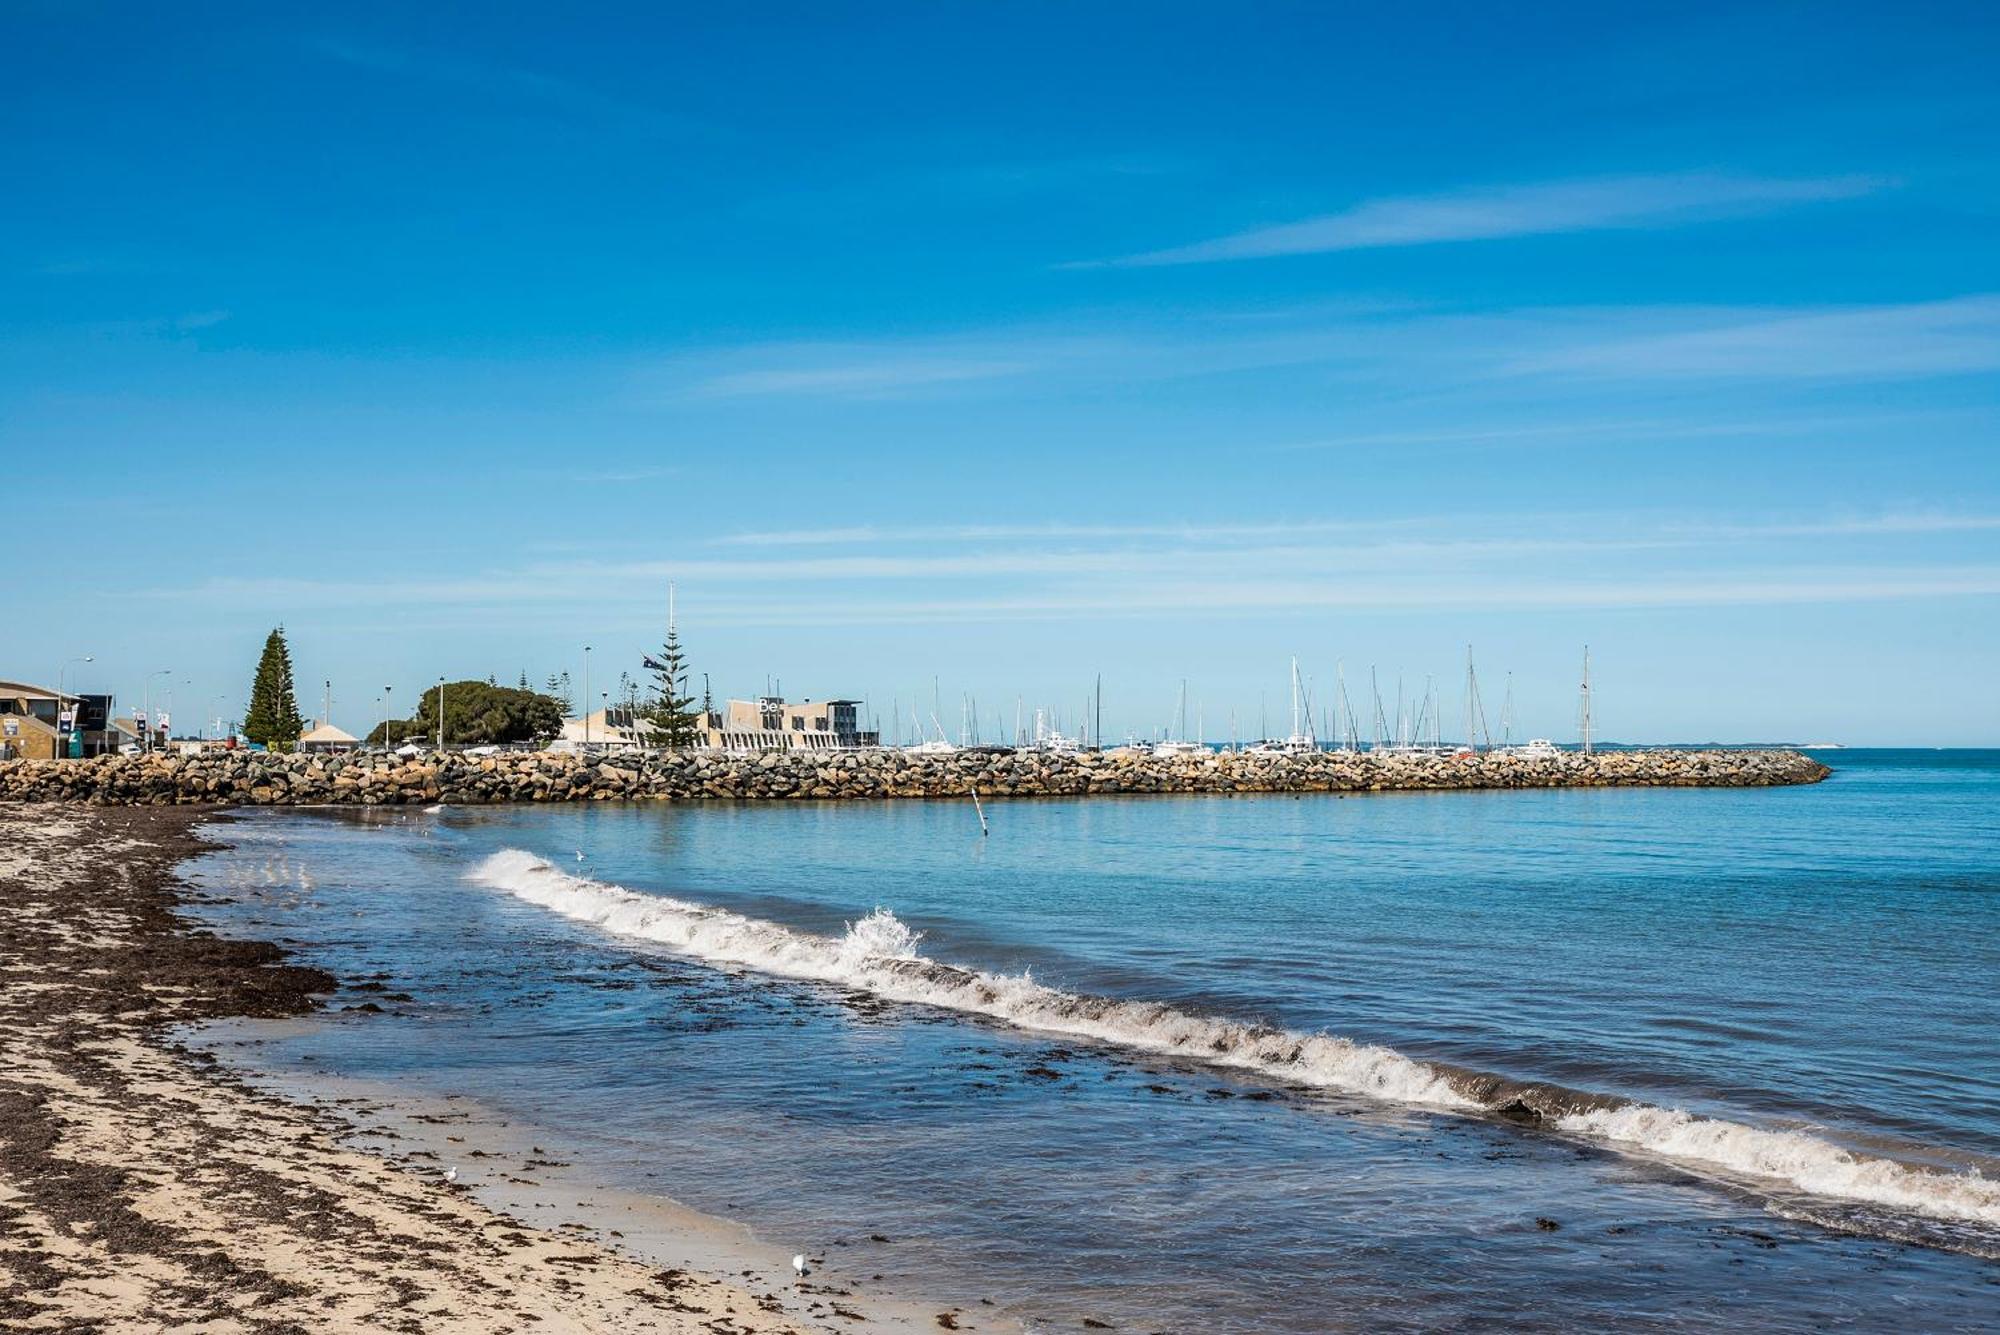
(1956, 336)
(992, 573)
(1542, 209)
(1906, 341)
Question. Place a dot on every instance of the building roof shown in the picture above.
(28, 690)
(326, 732)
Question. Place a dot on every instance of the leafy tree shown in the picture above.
(671, 713)
(478, 713)
(274, 718)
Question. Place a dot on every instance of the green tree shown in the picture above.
(478, 713)
(557, 689)
(671, 712)
(274, 719)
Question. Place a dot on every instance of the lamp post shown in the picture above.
(163, 672)
(62, 675)
(385, 718)
(213, 701)
(586, 697)
(440, 713)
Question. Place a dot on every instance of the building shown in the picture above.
(37, 723)
(617, 728)
(327, 738)
(770, 723)
(764, 724)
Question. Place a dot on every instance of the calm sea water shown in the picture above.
(1813, 973)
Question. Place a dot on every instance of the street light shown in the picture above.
(586, 697)
(385, 717)
(163, 672)
(440, 713)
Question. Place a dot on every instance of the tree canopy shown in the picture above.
(478, 713)
(672, 710)
(274, 718)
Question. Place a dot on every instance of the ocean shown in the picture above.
(1208, 1063)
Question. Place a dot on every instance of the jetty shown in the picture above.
(368, 779)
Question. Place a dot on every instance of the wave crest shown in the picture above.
(879, 954)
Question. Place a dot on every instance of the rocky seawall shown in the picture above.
(256, 778)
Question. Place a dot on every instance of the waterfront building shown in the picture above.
(768, 723)
(771, 723)
(615, 728)
(38, 723)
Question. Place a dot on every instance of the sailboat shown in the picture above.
(1301, 742)
(1178, 744)
(937, 746)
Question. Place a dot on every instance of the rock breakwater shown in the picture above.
(257, 778)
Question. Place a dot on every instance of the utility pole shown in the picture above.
(1583, 704)
(586, 697)
(440, 713)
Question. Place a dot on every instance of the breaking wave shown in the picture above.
(878, 955)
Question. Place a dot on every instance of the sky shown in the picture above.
(961, 353)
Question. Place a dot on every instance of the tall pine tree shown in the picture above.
(274, 719)
(672, 713)
(557, 689)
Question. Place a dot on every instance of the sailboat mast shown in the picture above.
(1583, 704)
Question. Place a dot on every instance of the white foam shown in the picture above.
(879, 955)
(1809, 1163)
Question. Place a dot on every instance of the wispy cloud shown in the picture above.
(1513, 211)
(1406, 348)
(1639, 530)
(1002, 573)
(884, 378)
(1871, 343)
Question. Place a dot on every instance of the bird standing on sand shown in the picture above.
(451, 1173)
(799, 1266)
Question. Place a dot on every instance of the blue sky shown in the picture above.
(1006, 346)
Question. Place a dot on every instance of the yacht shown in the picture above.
(1178, 744)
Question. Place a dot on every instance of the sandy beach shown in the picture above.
(146, 1187)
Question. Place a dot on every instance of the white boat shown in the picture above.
(1049, 740)
(1302, 741)
(1178, 744)
(939, 745)
(1537, 748)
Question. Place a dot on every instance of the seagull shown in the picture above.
(799, 1265)
(434, 810)
(579, 855)
(451, 1173)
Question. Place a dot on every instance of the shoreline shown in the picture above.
(146, 1185)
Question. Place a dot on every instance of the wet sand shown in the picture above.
(146, 1187)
